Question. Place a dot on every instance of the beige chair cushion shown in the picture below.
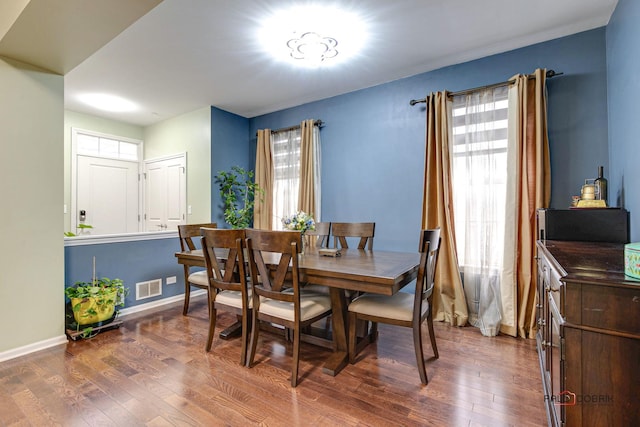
(199, 278)
(233, 298)
(311, 305)
(398, 306)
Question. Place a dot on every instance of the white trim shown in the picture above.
(100, 239)
(32, 348)
(168, 157)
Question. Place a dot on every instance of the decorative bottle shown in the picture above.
(601, 184)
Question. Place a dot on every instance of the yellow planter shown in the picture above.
(94, 309)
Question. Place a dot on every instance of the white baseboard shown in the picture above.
(51, 342)
(32, 348)
(159, 303)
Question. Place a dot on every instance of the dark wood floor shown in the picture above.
(154, 371)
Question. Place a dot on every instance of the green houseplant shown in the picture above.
(94, 303)
(238, 191)
(78, 227)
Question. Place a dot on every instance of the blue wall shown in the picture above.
(623, 63)
(229, 147)
(132, 262)
(373, 141)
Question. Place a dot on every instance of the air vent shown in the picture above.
(152, 288)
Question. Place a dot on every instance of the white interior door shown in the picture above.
(165, 193)
(107, 192)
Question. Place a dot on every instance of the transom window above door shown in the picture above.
(93, 145)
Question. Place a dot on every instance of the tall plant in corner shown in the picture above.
(238, 191)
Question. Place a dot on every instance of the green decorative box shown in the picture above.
(632, 260)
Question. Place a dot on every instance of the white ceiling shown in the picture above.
(184, 55)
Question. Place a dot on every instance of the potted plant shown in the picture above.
(238, 191)
(78, 227)
(94, 303)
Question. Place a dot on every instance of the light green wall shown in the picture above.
(96, 124)
(31, 223)
(190, 133)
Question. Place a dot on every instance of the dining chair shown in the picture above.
(363, 230)
(198, 279)
(320, 234)
(228, 283)
(402, 309)
(277, 297)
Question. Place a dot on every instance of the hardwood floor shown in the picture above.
(154, 371)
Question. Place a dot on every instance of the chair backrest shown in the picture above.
(429, 250)
(364, 230)
(186, 233)
(279, 271)
(321, 234)
(233, 276)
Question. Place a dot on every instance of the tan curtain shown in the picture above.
(533, 191)
(307, 192)
(449, 302)
(263, 210)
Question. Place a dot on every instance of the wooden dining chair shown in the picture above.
(320, 236)
(402, 309)
(364, 230)
(187, 233)
(277, 297)
(228, 283)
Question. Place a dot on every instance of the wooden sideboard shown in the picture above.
(589, 334)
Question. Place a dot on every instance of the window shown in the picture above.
(479, 170)
(94, 145)
(286, 165)
(287, 158)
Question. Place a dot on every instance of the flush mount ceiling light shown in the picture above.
(106, 102)
(313, 47)
(313, 35)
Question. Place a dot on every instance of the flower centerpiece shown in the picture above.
(301, 222)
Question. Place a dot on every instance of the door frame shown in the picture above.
(74, 170)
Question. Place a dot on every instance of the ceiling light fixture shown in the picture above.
(106, 102)
(312, 35)
(312, 47)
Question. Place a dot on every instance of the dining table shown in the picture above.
(381, 272)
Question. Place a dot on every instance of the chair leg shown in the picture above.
(255, 328)
(212, 328)
(245, 337)
(353, 320)
(187, 294)
(417, 344)
(432, 335)
(373, 334)
(296, 356)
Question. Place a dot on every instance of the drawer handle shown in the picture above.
(636, 299)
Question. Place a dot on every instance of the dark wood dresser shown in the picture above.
(589, 334)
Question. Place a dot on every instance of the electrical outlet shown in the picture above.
(171, 280)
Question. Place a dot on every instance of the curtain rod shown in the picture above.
(549, 74)
(318, 123)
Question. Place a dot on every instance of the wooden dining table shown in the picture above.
(379, 272)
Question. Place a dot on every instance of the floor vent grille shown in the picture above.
(151, 288)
